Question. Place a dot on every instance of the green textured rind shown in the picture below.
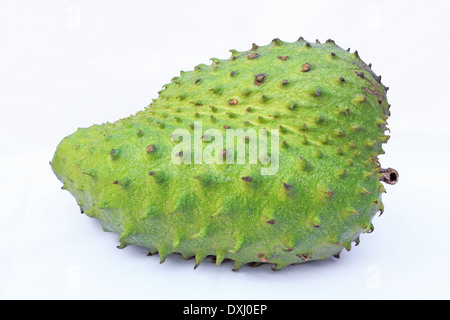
(331, 112)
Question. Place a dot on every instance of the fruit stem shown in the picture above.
(390, 176)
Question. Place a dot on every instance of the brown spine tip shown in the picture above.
(254, 46)
(150, 148)
(233, 102)
(359, 74)
(259, 79)
(271, 222)
(306, 67)
(286, 186)
(304, 257)
(284, 82)
(247, 179)
(261, 257)
(277, 42)
(390, 176)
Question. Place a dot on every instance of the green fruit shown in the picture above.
(324, 110)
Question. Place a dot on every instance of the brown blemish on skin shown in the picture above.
(283, 58)
(150, 148)
(247, 179)
(253, 55)
(233, 102)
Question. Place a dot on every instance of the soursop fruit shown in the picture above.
(310, 119)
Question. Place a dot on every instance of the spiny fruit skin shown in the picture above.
(331, 111)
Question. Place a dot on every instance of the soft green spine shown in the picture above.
(331, 111)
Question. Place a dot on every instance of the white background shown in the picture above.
(69, 64)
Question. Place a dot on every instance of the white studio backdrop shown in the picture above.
(69, 64)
